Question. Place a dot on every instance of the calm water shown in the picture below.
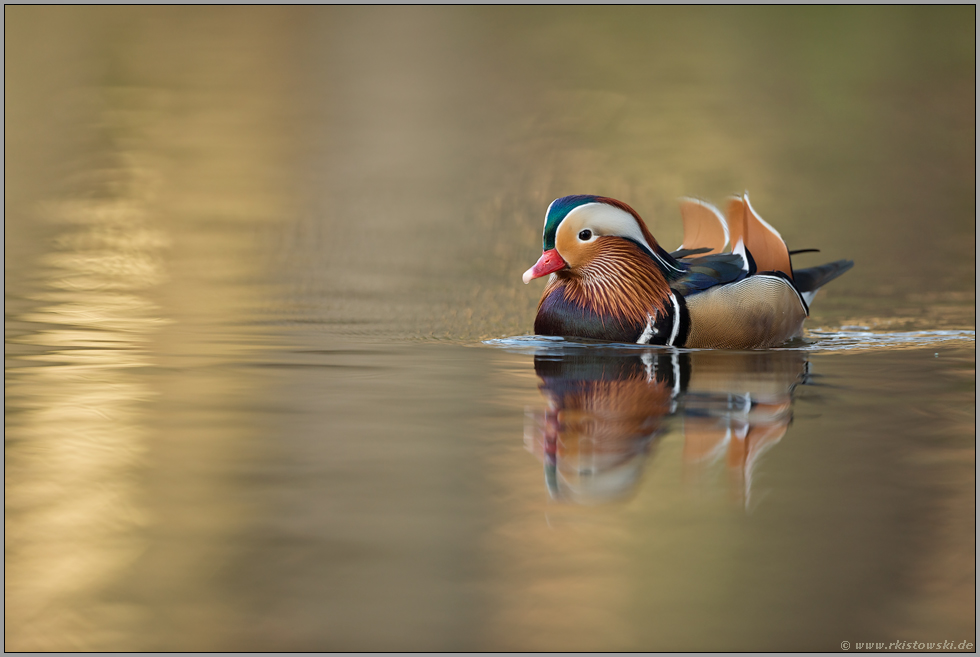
(268, 384)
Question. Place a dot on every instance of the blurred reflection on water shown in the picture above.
(78, 427)
(607, 409)
(249, 255)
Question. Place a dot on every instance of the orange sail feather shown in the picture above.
(762, 240)
(704, 227)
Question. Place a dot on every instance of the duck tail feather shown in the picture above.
(812, 279)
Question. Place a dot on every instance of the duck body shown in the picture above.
(610, 280)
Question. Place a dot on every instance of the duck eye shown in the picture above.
(585, 235)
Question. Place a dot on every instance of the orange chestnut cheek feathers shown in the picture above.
(548, 263)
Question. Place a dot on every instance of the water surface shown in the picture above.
(268, 383)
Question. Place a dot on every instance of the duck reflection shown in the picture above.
(607, 408)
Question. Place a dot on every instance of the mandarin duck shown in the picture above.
(610, 279)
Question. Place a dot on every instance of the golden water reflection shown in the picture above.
(78, 435)
(132, 262)
(607, 409)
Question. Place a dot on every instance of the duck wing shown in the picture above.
(704, 272)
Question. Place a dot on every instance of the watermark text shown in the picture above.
(907, 645)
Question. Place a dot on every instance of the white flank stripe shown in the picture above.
(647, 332)
(675, 329)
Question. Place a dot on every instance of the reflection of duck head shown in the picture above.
(607, 408)
(604, 412)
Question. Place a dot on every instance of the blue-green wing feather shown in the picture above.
(704, 272)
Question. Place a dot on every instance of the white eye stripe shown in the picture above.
(607, 220)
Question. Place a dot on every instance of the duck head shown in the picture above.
(575, 229)
(610, 278)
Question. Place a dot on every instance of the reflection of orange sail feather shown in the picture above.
(762, 240)
(703, 438)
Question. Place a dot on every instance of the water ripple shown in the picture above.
(817, 340)
(863, 340)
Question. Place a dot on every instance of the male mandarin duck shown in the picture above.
(611, 280)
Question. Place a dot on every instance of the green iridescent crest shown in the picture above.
(557, 212)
